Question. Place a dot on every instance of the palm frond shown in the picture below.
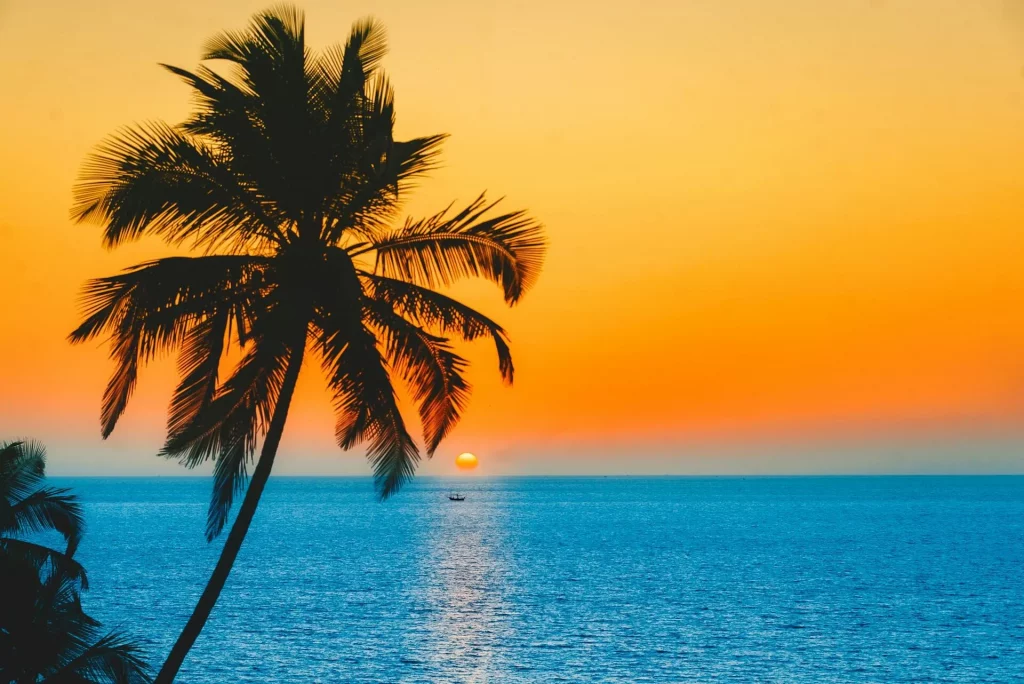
(246, 398)
(263, 113)
(365, 168)
(378, 120)
(198, 365)
(44, 510)
(26, 506)
(44, 560)
(345, 70)
(228, 114)
(431, 368)
(339, 75)
(226, 426)
(156, 179)
(22, 466)
(351, 143)
(277, 33)
(239, 415)
(151, 307)
(113, 659)
(365, 399)
(507, 249)
(42, 625)
(270, 58)
(433, 310)
(370, 197)
(230, 477)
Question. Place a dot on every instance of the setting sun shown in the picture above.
(466, 461)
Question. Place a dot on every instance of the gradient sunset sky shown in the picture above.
(785, 236)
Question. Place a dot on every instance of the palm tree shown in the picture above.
(45, 637)
(28, 508)
(289, 177)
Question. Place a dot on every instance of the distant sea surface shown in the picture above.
(833, 579)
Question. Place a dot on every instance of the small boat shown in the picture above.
(455, 496)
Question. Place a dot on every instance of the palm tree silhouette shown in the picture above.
(28, 508)
(289, 177)
(45, 637)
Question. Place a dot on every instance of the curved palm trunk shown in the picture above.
(239, 529)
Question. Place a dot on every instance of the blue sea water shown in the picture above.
(858, 579)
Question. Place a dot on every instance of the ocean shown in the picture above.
(596, 579)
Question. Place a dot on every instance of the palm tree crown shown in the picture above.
(288, 175)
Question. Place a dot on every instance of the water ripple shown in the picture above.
(591, 579)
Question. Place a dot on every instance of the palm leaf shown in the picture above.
(370, 195)
(113, 659)
(344, 70)
(26, 506)
(226, 430)
(198, 365)
(156, 179)
(152, 307)
(365, 399)
(22, 466)
(430, 367)
(44, 510)
(42, 625)
(434, 310)
(339, 74)
(365, 168)
(263, 113)
(230, 476)
(44, 559)
(225, 427)
(507, 249)
(227, 115)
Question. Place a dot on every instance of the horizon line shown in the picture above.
(691, 476)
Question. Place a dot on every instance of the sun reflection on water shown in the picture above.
(466, 575)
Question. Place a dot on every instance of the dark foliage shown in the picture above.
(45, 636)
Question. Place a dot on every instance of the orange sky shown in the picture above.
(786, 236)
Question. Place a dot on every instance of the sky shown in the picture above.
(785, 236)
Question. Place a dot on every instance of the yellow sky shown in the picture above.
(770, 222)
